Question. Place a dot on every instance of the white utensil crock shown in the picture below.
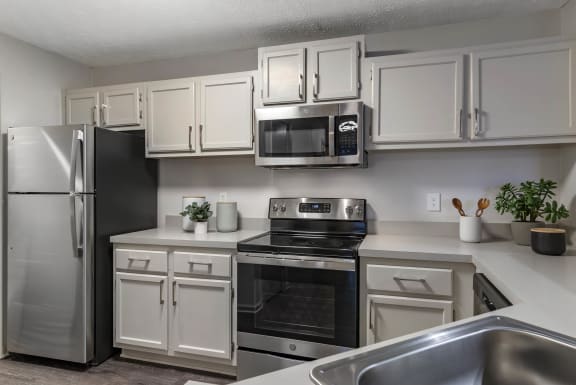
(470, 229)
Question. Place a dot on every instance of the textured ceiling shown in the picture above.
(108, 32)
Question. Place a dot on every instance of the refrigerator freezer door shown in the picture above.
(49, 287)
(40, 159)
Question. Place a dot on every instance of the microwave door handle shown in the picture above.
(331, 137)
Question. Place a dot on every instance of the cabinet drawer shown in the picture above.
(142, 260)
(203, 264)
(403, 279)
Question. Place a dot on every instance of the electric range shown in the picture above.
(297, 284)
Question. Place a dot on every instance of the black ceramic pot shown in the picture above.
(548, 241)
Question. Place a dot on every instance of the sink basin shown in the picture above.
(490, 351)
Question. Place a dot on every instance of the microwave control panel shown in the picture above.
(346, 135)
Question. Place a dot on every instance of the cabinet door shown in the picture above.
(226, 114)
(390, 316)
(140, 315)
(283, 77)
(121, 107)
(524, 92)
(201, 317)
(171, 117)
(335, 71)
(82, 107)
(418, 100)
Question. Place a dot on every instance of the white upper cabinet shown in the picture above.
(121, 106)
(141, 315)
(524, 92)
(82, 107)
(311, 72)
(335, 71)
(171, 116)
(283, 76)
(418, 99)
(226, 113)
(201, 317)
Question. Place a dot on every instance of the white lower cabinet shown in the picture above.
(201, 321)
(141, 310)
(391, 316)
(175, 306)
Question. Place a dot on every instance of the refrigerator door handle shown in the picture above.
(77, 241)
(75, 150)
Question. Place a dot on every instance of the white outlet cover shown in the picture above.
(433, 202)
(223, 197)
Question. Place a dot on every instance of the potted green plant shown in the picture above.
(528, 202)
(199, 214)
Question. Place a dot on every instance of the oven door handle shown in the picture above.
(319, 263)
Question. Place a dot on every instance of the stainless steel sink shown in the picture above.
(490, 351)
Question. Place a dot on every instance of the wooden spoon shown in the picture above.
(457, 203)
(483, 204)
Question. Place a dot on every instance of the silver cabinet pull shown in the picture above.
(300, 79)
(162, 292)
(104, 107)
(409, 279)
(190, 137)
(476, 122)
(173, 293)
(370, 321)
(460, 121)
(201, 140)
(94, 122)
(140, 259)
(315, 86)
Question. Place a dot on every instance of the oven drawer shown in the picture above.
(404, 279)
(142, 260)
(202, 264)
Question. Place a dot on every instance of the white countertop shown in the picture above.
(542, 288)
(177, 237)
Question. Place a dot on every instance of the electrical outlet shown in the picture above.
(433, 202)
(223, 196)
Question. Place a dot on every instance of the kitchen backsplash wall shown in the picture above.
(395, 184)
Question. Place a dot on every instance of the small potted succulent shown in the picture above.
(528, 202)
(199, 214)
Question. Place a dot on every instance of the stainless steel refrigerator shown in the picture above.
(69, 189)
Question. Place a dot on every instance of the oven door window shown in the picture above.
(304, 304)
(289, 138)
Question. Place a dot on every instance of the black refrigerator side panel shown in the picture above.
(126, 185)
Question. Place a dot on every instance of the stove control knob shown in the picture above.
(349, 210)
(359, 210)
(275, 207)
(283, 207)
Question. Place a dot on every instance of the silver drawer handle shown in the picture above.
(173, 293)
(409, 279)
(200, 263)
(140, 259)
(162, 292)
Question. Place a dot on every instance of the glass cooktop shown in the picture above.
(340, 246)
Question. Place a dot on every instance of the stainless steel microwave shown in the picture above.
(324, 135)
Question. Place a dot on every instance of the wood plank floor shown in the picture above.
(115, 371)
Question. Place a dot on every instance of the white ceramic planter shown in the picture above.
(200, 227)
(470, 229)
(187, 224)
